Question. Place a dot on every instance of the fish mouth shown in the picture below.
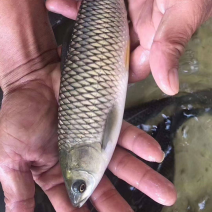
(79, 204)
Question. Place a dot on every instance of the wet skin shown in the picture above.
(30, 81)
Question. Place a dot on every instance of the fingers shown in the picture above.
(142, 177)
(53, 185)
(18, 186)
(140, 143)
(139, 58)
(142, 13)
(139, 64)
(141, 16)
(106, 198)
(67, 8)
(163, 28)
(176, 28)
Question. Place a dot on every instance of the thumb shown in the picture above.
(179, 22)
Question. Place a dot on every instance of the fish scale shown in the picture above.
(93, 88)
(92, 83)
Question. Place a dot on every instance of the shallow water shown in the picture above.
(193, 169)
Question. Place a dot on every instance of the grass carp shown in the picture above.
(95, 60)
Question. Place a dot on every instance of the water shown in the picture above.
(193, 169)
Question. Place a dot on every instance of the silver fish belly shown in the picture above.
(92, 94)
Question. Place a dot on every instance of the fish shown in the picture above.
(94, 79)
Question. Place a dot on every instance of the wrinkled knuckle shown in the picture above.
(142, 178)
(28, 70)
(21, 205)
(173, 45)
(177, 41)
(50, 186)
(197, 12)
(123, 161)
(45, 185)
(178, 47)
(123, 133)
(110, 193)
(129, 128)
(202, 9)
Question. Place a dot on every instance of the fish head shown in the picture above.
(80, 187)
(82, 169)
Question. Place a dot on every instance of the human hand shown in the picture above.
(159, 31)
(28, 123)
(28, 153)
(30, 80)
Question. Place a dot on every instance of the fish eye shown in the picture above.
(82, 188)
(79, 186)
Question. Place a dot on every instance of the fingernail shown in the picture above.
(174, 81)
(164, 155)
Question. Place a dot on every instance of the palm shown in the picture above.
(28, 134)
(31, 123)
